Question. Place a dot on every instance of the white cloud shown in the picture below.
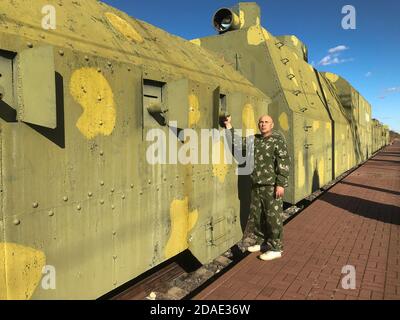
(338, 49)
(325, 61)
(389, 91)
(333, 59)
(334, 56)
(393, 89)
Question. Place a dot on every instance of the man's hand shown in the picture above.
(279, 192)
(227, 122)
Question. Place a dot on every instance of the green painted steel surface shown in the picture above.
(83, 194)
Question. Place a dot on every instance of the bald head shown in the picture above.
(265, 125)
(265, 117)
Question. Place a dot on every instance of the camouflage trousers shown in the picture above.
(266, 216)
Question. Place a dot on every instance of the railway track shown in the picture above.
(182, 277)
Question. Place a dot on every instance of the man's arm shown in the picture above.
(237, 144)
(283, 166)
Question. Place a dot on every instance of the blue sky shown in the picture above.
(368, 57)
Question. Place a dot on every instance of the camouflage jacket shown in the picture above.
(271, 158)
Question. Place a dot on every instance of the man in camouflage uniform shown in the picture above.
(269, 179)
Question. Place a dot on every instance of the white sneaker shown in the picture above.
(271, 255)
(254, 248)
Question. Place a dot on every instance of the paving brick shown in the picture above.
(267, 291)
(292, 296)
(339, 296)
(365, 294)
(331, 285)
(305, 289)
(351, 224)
(377, 295)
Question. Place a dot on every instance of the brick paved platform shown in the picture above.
(357, 222)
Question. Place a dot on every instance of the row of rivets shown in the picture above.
(78, 207)
(90, 194)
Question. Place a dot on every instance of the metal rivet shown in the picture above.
(158, 189)
(41, 35)
(149, 181)
(29, 44)
(115, 283)
(61, 52)
(131, 185)
(16, 222)
(86, 58)
(112, 190)
(98, 70)
(112, 207)
(65, 198)
(78, 207)
(89, 194)
(51, 213)
(114, 233)
(123, 196)
(100, 122)
(102, 201)
(115, 257)
(141, 192)
(101, 153)
(129, 69)
(99, 98)
(102, 183)
(109, 64)
(35, 204)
